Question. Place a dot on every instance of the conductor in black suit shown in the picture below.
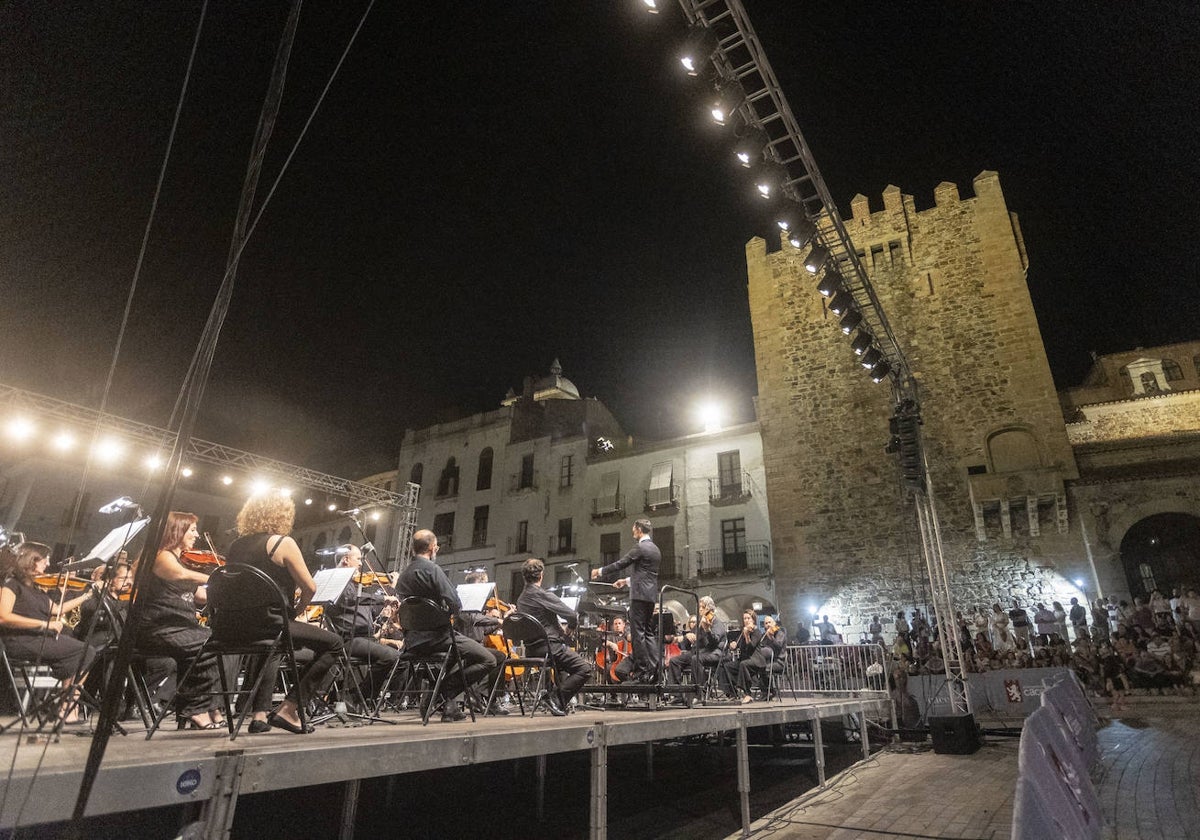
(643, 595)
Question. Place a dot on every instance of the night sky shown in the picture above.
(489, 186)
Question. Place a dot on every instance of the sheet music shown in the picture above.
(571, 601)
(474, 596)
(116, 538)
(331, 583)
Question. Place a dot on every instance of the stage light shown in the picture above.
(840, 303)
(286, 492)
(815, 259)
(259, 486)
(108, 450)
(153, 462)
(870, 358)
(64, 441)
(768, 179)
(375, 516)
(227, 480)
(880, 371)
(861, 342)
(331, 507)
(815, 611)
(710, 416)
(308, 501)
(652, 6)
(850, 321)
(697, 49)
(750, 146)
(1079, 582)
(20, 429)
(831, 284)
(724, 103)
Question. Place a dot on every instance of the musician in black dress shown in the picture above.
(167, 623)
(31, 621)
(355, 615)
(571, 670)
(741, 648)
(263, 525)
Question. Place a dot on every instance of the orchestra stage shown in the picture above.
(177, 768)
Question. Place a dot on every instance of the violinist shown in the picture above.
(263, 525)
(705, 643)
(31, 621)
(571, 670)
(167, 623)
(756, 665)
(742, 648)
(354, 616)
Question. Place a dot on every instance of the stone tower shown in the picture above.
(951, 279)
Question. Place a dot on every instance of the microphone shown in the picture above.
(570, 565)
(123, 503)
(366, 548)
(352, 512)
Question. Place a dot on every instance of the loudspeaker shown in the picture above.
(954, 734)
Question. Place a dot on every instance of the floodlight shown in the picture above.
(285, 492)
(840, 303)
(227, 480)
(697, 49)
(861, 342)
(710, 416)
(790, 216)
(153, 462)
(186, 472)
(768, 180)
(880, 371)
(20, 429)
(850, 321)
(376, 516)
(331, 507)
(108, 450)
(308, 501)
(652, 6)
(831, 283)
(749, 147)
(870, 358)
(815, 259)
(259, 486)
(64, 441)
(724, 103)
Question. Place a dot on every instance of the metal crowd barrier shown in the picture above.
(835, 669)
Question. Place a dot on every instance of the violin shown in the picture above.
(373, 579)
(201, 561)
(60, 581)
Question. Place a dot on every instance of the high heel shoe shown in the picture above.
(189, 724)
(287, 726)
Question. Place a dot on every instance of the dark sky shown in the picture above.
(490, 186)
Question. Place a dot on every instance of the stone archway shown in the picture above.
(1162, 551)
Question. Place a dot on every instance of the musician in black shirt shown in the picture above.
(354, 615)
(570, 669)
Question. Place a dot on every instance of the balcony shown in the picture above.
(720, 493)
(521, 483)
(662, 499)
(608, 507)
(755, 558)
(560, 545)
(517, 545)
(479, 538)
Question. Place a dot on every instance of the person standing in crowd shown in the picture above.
(1060, 619)
(1190, 606)
(1099, 621)
(1043, 618)
(1160, 606)
(642, 561)
(1078, 616)
(1002, 638)
(571, 670)
(263, 526)
(423, 578)
(875, 630)
(1019, 620)
(168, 624)
(829, 632)
(354, 616)
(902, 628)
(31, 622)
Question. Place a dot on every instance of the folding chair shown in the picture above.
(423, 615)
(32, 681)
(248, 616)
(522, 628)
(780, 673)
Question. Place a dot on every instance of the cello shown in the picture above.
(611, 654)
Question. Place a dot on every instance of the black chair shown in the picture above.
(249, 617)
(423, 615)
(522, 628)
(23, 694)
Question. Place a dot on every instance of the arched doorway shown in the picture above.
(1162, 551)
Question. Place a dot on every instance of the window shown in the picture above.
(414, 476)
(610, 493)
(1171, 370)
(443, 526)
(1196, 364)
(659, 493)
(1147, 575)
(566, 471)
(483, 479)
(729, 473)
(1013, 450)
(565, 542)
(526, 472)
(563, 576)
(733, 544)
(1149, 383)
(448, 483)
(479, 531)
(610, 548)
(522, 542)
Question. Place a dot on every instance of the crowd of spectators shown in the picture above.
(1113, 646)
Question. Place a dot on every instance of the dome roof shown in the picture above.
(555, 386)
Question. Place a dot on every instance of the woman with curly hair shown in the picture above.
(31, 621)
(263, 525)
(167, 623)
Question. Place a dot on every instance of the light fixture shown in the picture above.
(285, 492)
(750, 146)
(153, 462)
(815, 259)
(331, 507)
(1079, 582)
(831, 283)
(308, 501)
(652, 6)
(870, 358)
(20, 429)
(227, 480)
(259, 486)
(861, 342)
(724, 103)
(768, 179)
(710, 416)
(698, 46)
(850, 321)
(64, 441)
(840, 303)
(880, 371)
(375, 516)
(108, 450)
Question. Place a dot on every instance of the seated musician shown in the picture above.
(742, 648)
(168, 623)
(704, 645)
(617, 656)
(354, 616)
(757, 665)
(571, 670)
(31, 622)
(263, 525)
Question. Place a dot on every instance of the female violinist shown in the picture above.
(167, 623)
(31, 621)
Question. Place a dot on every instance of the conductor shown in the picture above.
(643, 594)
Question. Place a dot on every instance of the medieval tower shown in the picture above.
(952, 281)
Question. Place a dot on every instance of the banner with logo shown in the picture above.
(1013, 692)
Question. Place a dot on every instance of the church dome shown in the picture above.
(555, 386)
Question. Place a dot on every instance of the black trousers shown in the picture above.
(326, 648)
(378, 658)
(570, 669)
(693, 661)
(182, 644)
(643, 633)
(63, 653)
(480, 665)
(754, 667)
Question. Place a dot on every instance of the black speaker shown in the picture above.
(954, 734)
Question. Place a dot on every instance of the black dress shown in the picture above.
(62, 652)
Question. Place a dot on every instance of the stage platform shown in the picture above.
(177, 768)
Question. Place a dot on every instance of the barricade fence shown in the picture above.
(835, 669)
